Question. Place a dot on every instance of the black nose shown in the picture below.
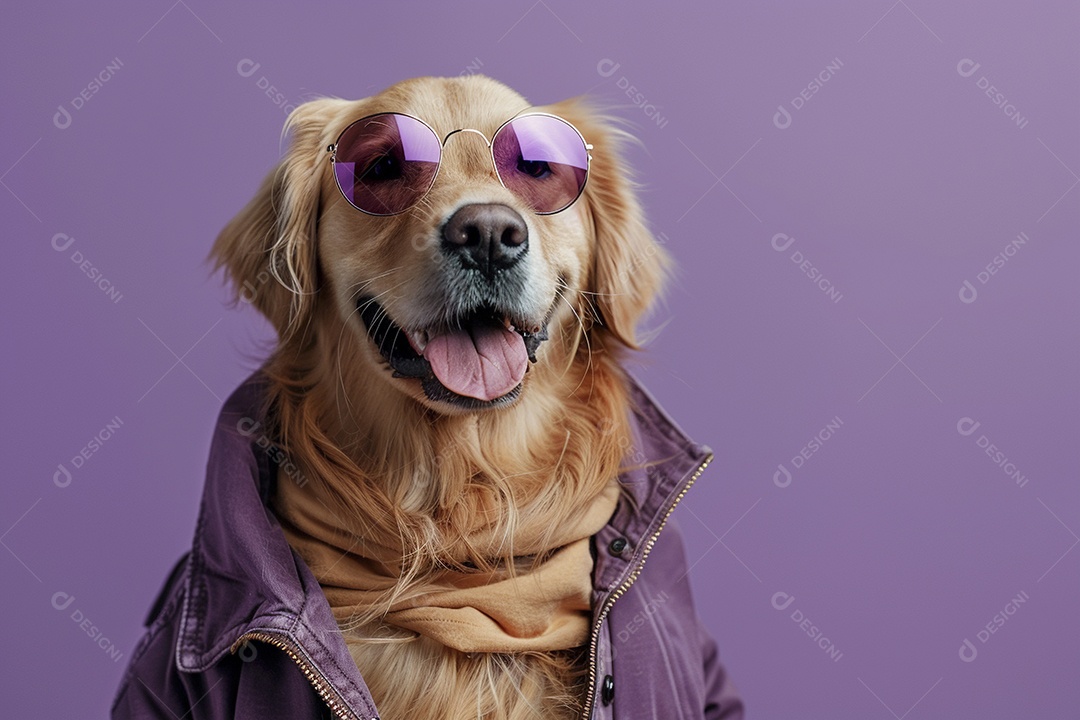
(488, 238)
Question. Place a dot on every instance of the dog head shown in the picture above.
(454, 300)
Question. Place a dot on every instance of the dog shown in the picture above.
(400, 450)
(437, 496)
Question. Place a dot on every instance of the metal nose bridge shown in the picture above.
(461, 130)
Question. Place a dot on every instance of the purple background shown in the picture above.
(899, 180)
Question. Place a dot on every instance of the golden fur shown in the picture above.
(399, 464)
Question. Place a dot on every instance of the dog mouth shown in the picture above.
(476, 360)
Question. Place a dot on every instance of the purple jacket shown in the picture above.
(242, 630)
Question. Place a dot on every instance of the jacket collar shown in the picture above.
(243, 576)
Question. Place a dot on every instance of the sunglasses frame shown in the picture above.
(332, 149)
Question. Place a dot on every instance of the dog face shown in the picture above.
(451, 301)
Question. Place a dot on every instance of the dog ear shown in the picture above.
(268, 249)
(629, 266)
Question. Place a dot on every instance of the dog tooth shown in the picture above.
(419, 339)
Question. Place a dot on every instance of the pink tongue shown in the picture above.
(484, 362)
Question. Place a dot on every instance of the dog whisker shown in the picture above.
(583, 335)
(344, 394)
(363, 284)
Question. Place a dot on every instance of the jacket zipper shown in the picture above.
(321, 684)
(590, 697)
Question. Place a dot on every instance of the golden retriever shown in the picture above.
(391, 450)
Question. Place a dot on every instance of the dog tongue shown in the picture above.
(483, 362)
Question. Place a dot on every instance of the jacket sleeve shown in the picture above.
(722, 697)
(698, 683)
(150, 688)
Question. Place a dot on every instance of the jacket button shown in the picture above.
(607, 690)
(617, 546)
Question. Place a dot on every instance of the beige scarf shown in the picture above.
(543, 607)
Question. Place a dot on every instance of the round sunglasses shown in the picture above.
(386, 163)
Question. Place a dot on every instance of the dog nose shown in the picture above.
(488, 237)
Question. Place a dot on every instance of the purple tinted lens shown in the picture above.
(385, 163)
(543, 160)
